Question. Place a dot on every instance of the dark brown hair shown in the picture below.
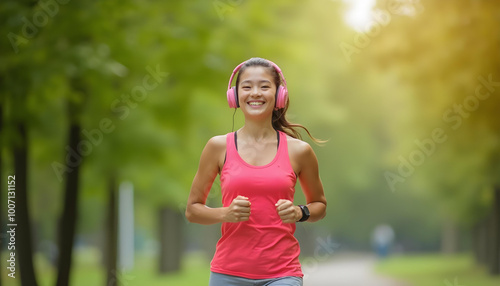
(279, 116)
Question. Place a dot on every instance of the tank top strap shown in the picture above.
(230, 145)
(283, 146)
(283, 155)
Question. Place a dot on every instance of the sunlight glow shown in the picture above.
(359, 13)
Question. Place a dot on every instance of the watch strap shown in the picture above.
(305, 213)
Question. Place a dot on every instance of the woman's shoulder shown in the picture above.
(297, 146)
(217, 142)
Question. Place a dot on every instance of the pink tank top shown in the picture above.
(262, 247)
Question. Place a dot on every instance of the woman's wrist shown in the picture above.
(223, 214)
(298, 213)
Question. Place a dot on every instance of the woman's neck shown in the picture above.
(257, 130)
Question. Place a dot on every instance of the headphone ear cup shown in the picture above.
(281, 97)
(232, 98)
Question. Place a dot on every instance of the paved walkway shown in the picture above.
(346, 270)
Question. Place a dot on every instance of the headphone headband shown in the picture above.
(275, 66)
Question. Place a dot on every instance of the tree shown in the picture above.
(452, 64)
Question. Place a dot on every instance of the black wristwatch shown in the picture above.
(305, 213)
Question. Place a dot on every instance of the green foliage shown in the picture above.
(445, 62)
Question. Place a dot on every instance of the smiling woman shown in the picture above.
(258, 166)
(277, 84)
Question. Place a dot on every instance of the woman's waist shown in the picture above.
(258, 232)
(249, 238)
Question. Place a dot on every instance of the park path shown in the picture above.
(347, 270)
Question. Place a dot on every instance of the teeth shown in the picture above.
(256, 103)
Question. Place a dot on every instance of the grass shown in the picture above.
(87, 270)
(434, 269)
(416, 270)
(195, 271)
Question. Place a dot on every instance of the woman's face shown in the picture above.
(256, 91)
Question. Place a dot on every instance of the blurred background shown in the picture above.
(105, 107)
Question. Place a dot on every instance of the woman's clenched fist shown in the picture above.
(238, 211)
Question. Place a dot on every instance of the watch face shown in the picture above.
(306, 210)
(305, 213)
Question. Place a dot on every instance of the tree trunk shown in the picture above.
(23, 229)
(210, 236)
(112, 236)
(449, 238)
(171, 245)
(2, 194)
(481, 241)
(70, 211)
(495, 234)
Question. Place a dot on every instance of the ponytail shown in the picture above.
(282, 124)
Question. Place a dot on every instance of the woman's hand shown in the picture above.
(238, 211)
(288, 212)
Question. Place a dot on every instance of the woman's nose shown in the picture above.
(255, 91)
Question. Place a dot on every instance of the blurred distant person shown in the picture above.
(382, 239)
(259, 165)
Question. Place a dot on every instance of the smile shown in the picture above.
(256, 103)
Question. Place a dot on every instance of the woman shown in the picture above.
(258, 165)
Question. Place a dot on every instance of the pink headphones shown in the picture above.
(281, 93)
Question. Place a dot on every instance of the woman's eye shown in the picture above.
(265, 86)
(246, 87)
